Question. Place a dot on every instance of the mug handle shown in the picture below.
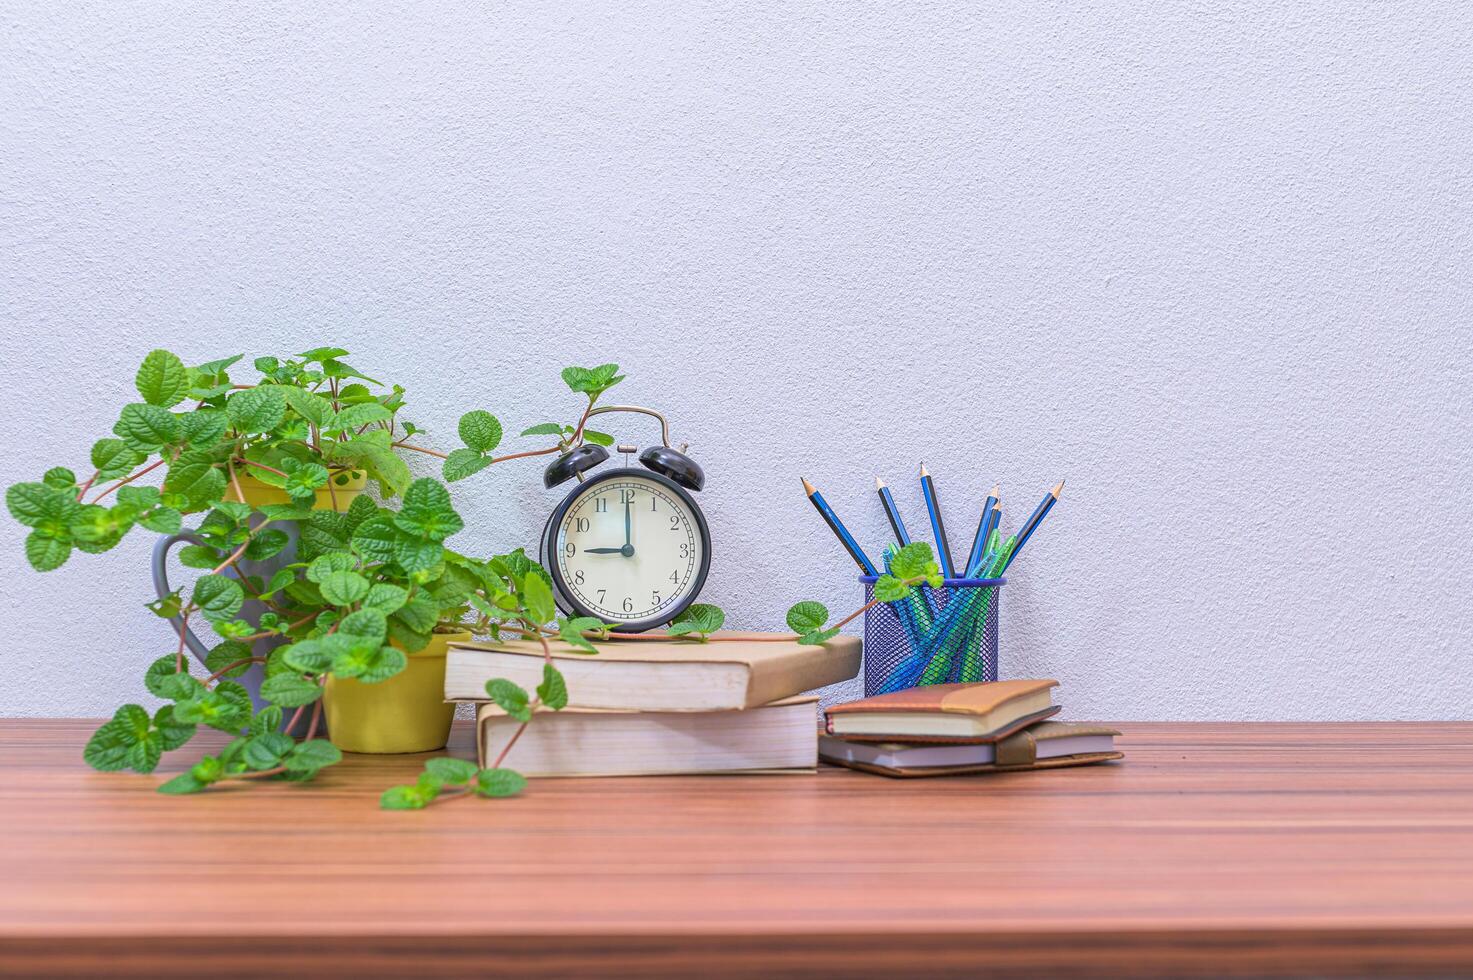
(161, 585)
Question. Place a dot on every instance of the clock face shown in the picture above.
(630, 549)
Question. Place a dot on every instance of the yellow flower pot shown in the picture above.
(406, 713)
(341, 488)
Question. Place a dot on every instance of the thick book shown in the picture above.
(981, 712)
(589, 742)
(1046, 745)
(660, 674)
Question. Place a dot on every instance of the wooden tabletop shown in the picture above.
(1213, 848)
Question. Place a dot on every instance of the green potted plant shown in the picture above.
(309, 584)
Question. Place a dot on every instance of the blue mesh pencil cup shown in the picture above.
(932, 636)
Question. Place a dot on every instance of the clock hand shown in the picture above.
(628, 521)
(603, 551)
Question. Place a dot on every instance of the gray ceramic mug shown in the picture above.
(250, 611)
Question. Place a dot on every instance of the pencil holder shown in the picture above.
(932, 636)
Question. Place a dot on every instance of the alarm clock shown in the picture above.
(629, 545)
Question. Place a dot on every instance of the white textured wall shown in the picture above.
(1209, 261)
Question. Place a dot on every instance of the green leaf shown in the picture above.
(290, 690)
(592, 381)
(417, 556)
(324, 566)
(480, 431)
(462, 463)
(805, 617)
(113, 458)
(107, 750)
(309, 656)
(203, 426)
(356, 416)
(419, 614)
(313, 755)
(427, 513)
(334, 368)
(407, 797)
(267, 544)
(217, 366)
(162, 379)
(451, 772)
(537, 598)
(265, 751)
(199, 556)
(344, 588)
(365, 624)
(199, 482)
(598, 438)
(553, 690)
(171, 732)
(303, 480)
(147, 427)
(225, 654)
(40, 506)
(888, 588)
(572, 634)
(699, 618)
(313, 408)
(544, 429)
(60, 478)
(381, 664)
(163, 681)
(319, 354)
(164, 520)
(817, 638)
(511, 698)
(46, 553)
(499, 782)
(258, 409)
(386, 598)
(320, 533)
(916, 560)
(182, 784)
(218, 598)
(226, 708)
(377, 539)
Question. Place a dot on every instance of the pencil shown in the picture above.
(1036, 518)
(979, 540)
(840, 531)
(938, 529)
(888, 502)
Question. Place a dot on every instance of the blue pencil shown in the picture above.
(938, 529)
(989, 541)
(1034, 519)
(840, 531)
(981, 537)
(888, 502)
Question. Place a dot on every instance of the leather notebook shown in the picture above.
(1048, 745)
(945, 713)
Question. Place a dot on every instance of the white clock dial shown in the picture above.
(628, 549)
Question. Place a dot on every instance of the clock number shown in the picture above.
(601, 594)
(675, 522)
(654, 502)
(626, 496)
(685, 549)
(581, 524)
(578, 577)
(675, 577)
(655, 598)
(570, 549)
(629, 605)
(601, 505)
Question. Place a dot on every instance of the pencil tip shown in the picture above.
(1058, 489)
(808, 488)
(994, 494)
(879, 484)
(923, 470)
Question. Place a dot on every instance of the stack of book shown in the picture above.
(649, 706)
(948, 729)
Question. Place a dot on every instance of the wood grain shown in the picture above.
(1212, 849)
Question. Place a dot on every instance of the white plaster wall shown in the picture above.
(1208, 261)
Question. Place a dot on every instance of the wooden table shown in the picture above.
(1218, 849)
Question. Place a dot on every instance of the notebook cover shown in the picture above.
(1059, 762)
(994, 736)
(970, 699)
(1018, 752)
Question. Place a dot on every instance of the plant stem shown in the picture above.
(421, 449)
(235, 480)
(129, 479)
(88, 485)
(261, 466)
(225, 670)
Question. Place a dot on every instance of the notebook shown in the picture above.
(660, 674)
(1046, 745)
(592, 742)
(981, 712)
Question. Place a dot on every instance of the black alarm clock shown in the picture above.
(629, 545)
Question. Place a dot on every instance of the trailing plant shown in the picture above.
(367, 585)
